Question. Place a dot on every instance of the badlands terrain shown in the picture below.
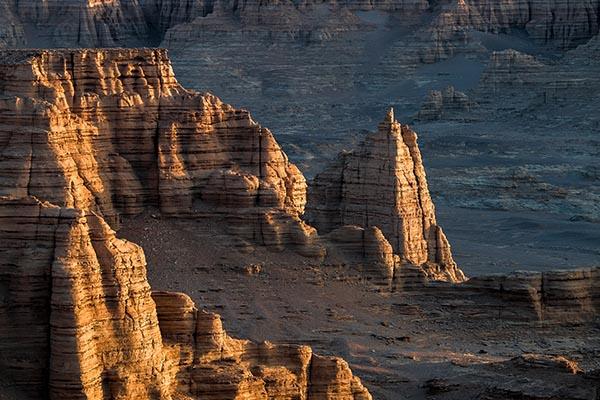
(157, 242)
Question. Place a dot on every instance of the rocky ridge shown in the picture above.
(560, 295)
(383, 184)
(88, 23)
(79, 321)
(213, 365)
(112, 131)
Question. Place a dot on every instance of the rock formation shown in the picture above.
(112, 131)
(445, 104)
(382, 184)
(76, 313)
(77, 23)
(559, 22)
(78, 322)
(566, 295)
(510, 68)
(213, 365)
(110, 23)
(367, 247)
(280, 22)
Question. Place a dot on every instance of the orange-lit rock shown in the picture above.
(112, 131)
(216, 366)
(383, 184)
(78, 321)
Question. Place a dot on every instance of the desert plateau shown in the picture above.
(299, 199)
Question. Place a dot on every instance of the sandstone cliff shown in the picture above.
(78, 321)
(383, 184)
(213, 365)
(561, 295)
(110, 23)
(112, 131)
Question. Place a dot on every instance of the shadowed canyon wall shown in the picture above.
(90, 23)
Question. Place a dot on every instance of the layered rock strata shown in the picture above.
(309, 20)
(367, 248)
(560, 22)
(78, 321)
(383, 184)
(448, 103)
(109, 23)
(112, 131)
(76, 316)
(566, 295)
(512, 69)
(216, 366)
(76, 23)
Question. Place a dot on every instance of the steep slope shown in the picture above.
(78, 321)
(76, 313)
(383, 184)
(77, 23)
(111, 23)
(113, 132)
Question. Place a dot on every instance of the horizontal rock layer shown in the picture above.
(216, 366)
(112, 131)
(75, 23)
(109, 23)
(555, 295)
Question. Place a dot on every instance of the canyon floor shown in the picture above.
(403, 345)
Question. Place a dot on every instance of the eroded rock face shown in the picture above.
(79, 322)
(383, 184)
(566, 295)
(560, 22)
(511, 68)
(445, 104)
(216, 366)
(76, 23)
(112, 131)
(111, 23)
(77, 319)
(367, 248)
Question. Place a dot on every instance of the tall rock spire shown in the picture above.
(383, 184)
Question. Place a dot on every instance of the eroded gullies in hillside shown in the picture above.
(112, 132)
